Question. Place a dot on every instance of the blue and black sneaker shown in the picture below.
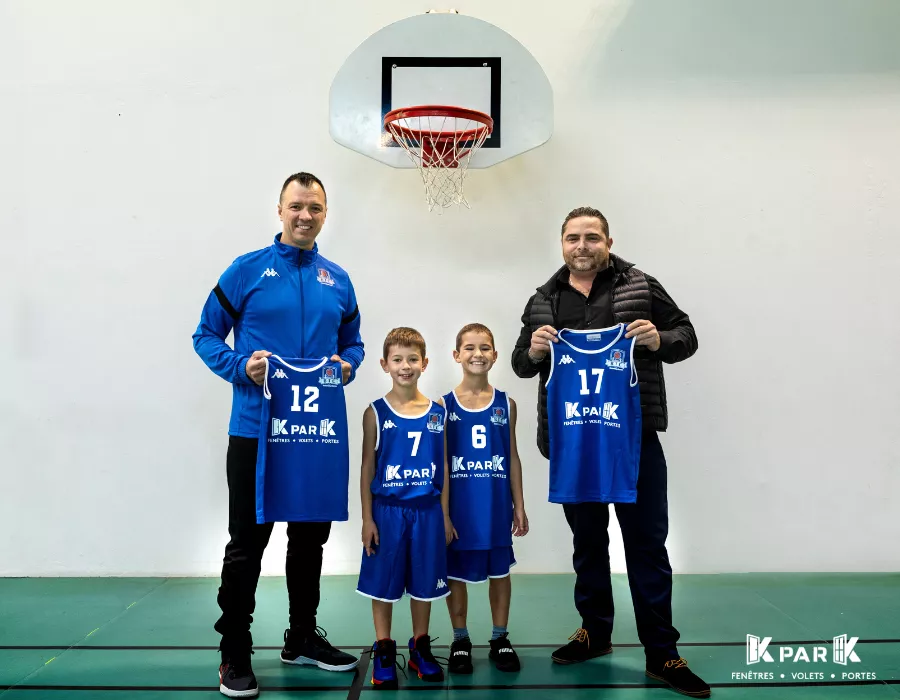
(422, 661)
(384, 668)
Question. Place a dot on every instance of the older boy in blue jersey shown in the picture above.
(483, 496)
(404, 534)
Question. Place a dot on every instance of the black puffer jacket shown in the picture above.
(635, 295)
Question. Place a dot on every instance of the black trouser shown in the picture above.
(243, 555)
(645, 526)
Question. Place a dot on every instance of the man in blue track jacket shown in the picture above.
(289, 300)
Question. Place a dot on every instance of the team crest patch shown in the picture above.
(616, 359)
(330, 376)
(435, 423)
(324, 277)
(498, 416)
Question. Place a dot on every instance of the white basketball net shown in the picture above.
(434, 145)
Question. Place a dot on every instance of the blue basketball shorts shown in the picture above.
(411, 555)
(478, 565)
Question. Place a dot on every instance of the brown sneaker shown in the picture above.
(580, 649)
(676, 673)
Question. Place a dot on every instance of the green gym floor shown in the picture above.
(152, 638)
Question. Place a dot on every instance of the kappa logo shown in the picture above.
(269, 272)
(566, 360)
(278, 427)
(441, 584)
(388, 424)
(279, 374)
(324, 277)
(454, 417)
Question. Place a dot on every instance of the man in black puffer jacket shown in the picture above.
(595, 290)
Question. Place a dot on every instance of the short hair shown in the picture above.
(585, 211)
(474, 328)
(406, 338)
(306, 180)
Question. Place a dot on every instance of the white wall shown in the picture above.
(745, 153)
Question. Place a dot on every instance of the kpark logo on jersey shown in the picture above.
(325, 429)
(460, 464)
(617, 360)
(760, 650)
(279, 374)
(605, 413)
(324, 277)
(269, 272)
(435, 423)
(498, 416)
(396, 472)
(330, 376)
(566, 360)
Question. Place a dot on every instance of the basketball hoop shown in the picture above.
(440, 141)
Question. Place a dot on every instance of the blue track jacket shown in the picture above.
(290, 302)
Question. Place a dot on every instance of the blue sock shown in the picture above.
(498, 632)
(460, 633)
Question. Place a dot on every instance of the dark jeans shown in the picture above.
(645, 526)
(243, 555)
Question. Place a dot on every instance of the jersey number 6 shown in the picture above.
(479, 438)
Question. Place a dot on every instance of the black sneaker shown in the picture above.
(312, 649)
(676, 673)
(460, 656)
(236, 679)
(581, 649)
(503, 655)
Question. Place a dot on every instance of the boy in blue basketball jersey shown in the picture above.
(405, 531)
(483, 496)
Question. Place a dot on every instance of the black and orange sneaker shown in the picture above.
(581, 649)
(676, 673)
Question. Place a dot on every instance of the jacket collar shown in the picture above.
(618, 264)
(295, 256)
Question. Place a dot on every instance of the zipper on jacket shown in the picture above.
(302, 306)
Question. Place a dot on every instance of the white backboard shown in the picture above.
(441, 58)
